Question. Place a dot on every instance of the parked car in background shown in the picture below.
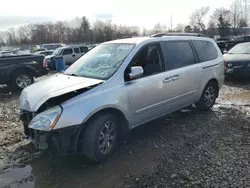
(46, 52)
(226, 45)
(53, 46)
(6, 53)
(40, 50)
(90, 105)
(19, 71)
(69, 53)
(23, 52)
(237, 60)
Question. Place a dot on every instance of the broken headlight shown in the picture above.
(46, 120)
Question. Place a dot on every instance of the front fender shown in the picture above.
(84, 107)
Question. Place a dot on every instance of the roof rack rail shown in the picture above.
(125, 37)
(178, 34)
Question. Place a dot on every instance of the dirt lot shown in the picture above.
(185, 149)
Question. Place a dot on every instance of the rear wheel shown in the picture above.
(20, 80)
(208, 97)
(100, 137)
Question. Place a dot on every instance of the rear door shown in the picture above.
(68, 55)
(208, 58)
(183, 72)
(83, 50)
(77, 53)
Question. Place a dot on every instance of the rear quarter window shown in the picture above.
(206, 50)
(76, 50)
(67, 51)
(84, 49)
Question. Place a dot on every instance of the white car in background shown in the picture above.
(69, 53)
(53, 46)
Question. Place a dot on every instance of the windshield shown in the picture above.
(243, 48)
(57, 52)
(101, 62)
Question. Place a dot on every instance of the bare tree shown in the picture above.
(197, 18)
(179, 27)
(235, 15)
(221, 18)
(84, 30)
(239, 15)
(11, 36)
(2, 38)
(188, 29)
(159, 28)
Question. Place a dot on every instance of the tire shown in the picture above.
(18, 77)
(93, 146)
(208, 97)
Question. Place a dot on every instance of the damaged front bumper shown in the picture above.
(62, 141)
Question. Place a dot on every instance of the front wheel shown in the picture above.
(100, 137)
(208, 97)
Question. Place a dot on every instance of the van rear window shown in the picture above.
(206, 50)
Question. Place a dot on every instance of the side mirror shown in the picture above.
(224, 51)
(136, 72)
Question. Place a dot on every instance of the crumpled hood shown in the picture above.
(35, 95)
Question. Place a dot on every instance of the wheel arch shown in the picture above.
(122, 119)
(20, 68)
(215, 81)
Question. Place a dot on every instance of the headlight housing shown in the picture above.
(46, 120)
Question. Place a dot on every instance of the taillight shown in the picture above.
(45, 63)
(225, 64)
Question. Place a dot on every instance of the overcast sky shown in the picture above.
(143, 13)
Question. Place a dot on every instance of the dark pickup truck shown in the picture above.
(226, 45)
(18, 72)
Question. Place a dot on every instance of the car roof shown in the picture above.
(133, 40)
(54, 44)
(137, 40)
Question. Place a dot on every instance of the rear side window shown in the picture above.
(206, 50)
(76, 50)
(178, 54)
(67, 51)
(84, 49)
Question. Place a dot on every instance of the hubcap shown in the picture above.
(209, 96)
(23, 81)
(107, 136)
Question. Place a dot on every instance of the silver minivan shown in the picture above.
(118, 86)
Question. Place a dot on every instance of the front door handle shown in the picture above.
(73, 55)
(171, 78)
(167, 80)
(176, 77)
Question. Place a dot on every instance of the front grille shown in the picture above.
(234, 64)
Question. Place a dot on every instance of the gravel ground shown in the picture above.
(185, 149)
